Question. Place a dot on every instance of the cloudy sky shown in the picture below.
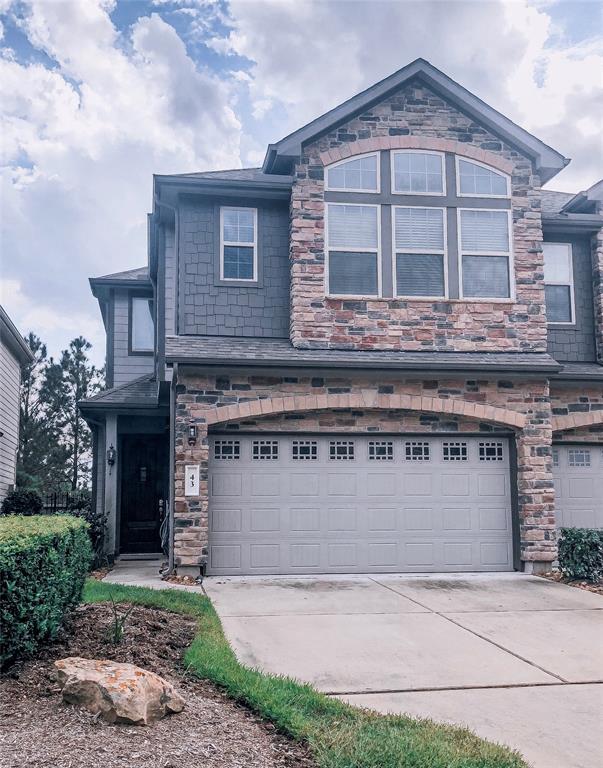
(97, 95)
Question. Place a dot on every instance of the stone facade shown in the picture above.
(597, 256)
(577, 412)
(414, 117)
(364, 403)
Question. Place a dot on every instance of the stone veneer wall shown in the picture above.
(363, 403)
(578, 409)
(597, 256)
(414, 117)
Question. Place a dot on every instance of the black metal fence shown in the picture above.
(62, 501)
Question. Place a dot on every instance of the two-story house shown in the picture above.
(380, 351)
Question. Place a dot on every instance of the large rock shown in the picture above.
(119, 693)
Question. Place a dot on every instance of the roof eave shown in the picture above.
(548, 161)
(13, 339)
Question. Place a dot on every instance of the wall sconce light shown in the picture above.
(192, 434)
(111, 457)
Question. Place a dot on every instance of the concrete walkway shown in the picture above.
(516, 658)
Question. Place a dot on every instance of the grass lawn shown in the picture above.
(339, 736)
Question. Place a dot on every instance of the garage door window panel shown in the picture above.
(381, 450)
(266, 450)
(341, 450)
(353, 247)
(417, 451)
(454, 451)
(304, 450)
(229, 450)
(578, 457)
(491, 451)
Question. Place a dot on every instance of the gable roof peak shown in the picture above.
(281, 155)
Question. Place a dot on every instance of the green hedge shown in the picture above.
(44, 560)
(581, 553)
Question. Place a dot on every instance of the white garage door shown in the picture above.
(578, 473)
(345, 504)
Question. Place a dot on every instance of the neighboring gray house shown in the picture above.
(14, 354)
(380, 351)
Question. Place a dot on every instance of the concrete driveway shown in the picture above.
(516, 658)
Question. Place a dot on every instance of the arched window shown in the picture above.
(358, 175)
(434, 227)
(477, 180)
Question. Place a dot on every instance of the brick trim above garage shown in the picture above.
(379, 143)
(366, 399)
(576, 420)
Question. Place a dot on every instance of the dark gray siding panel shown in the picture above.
(126, 365)
(207, 307)
(170, 282)
(577, 343)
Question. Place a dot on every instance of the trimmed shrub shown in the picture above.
(82, 507)
(581, 553)
(44, 560)
(22, 502)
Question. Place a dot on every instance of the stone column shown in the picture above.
(190, 512)
(536, 492)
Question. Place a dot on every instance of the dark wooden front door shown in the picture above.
(144, 481)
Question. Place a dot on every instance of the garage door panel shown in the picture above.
(304, 519)
(381, 518)
(330, 505)
(456, 519)
(418, 519)
(578, 479)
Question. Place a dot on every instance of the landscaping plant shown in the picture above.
(22, 502)
(44, 560)
(118, 625)
(581, 553)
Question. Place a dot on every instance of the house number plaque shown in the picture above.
(191, 480)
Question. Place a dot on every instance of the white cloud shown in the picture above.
(508, 53)
(81, 141)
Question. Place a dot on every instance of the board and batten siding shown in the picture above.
(126, 366)
(10, 379)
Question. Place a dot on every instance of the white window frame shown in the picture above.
(570, 250)
(458, 158)
(509, 254)
(376, 155)
(419, 251)
(352, 296)
(224, 243)
(442, 157)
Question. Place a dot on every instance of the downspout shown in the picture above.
(172, 490)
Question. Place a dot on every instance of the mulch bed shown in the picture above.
(589, 586)
(38, 730)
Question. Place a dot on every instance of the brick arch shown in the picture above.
(576, 420)
(368, 399)
(379, 143)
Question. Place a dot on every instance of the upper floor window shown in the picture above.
(446, 224)
(477, 180)
(485, 253)
(419, 245)
(559, 282)
(353, 248)
(238, 244)
(418, 173)
(142, 331)
(358, 175)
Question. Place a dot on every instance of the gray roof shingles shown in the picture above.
(138, 273)
(553, 202)
(142, 392)
(213, 350)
